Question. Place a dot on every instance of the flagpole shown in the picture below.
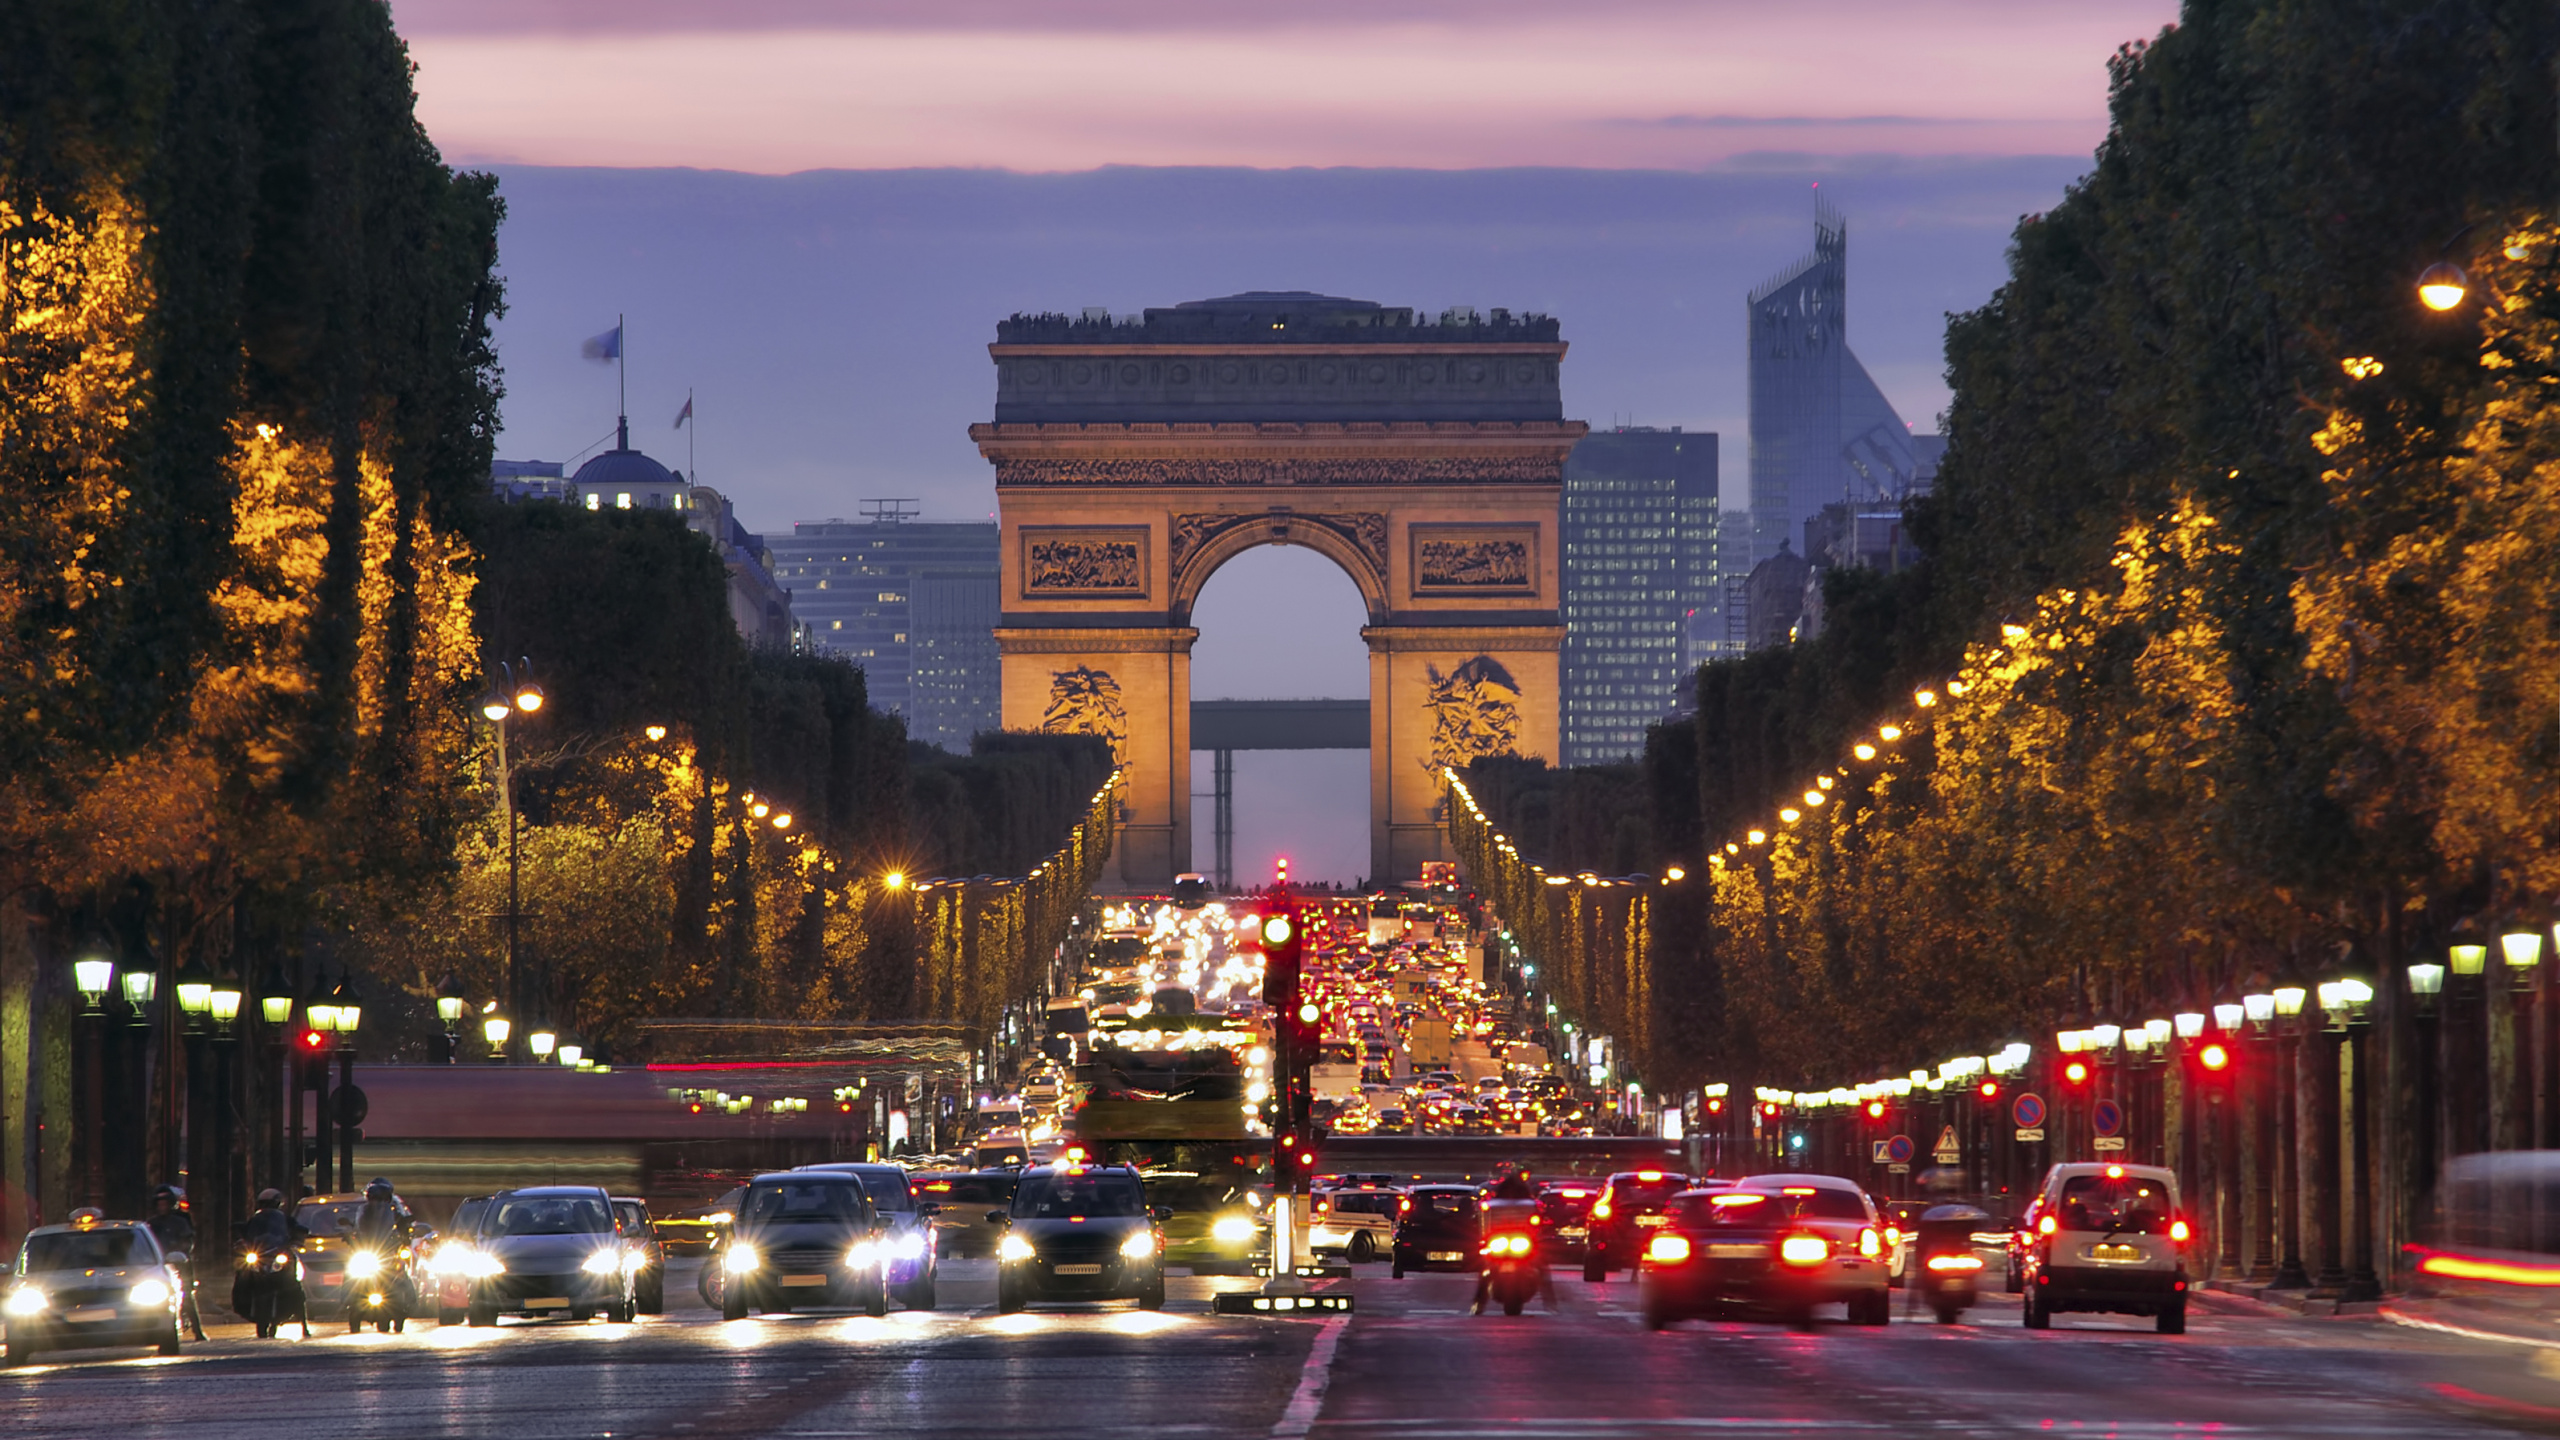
(692, 424)
(622, 374)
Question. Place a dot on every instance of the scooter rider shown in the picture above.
(381, 1224)
(1514, 1193)
(177, 1236)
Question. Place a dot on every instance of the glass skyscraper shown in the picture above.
(1642, 597)
(913, 603)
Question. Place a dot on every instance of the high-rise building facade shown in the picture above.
(914, 603)
(1643, 600)
(1821, 432)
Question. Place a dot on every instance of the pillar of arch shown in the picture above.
(1136, 456)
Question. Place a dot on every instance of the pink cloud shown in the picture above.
(782, 85)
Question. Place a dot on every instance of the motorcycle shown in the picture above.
(1946, 1274)
(381, 1291)
(266, 1286)
(1513, 1264)
(188, 1312)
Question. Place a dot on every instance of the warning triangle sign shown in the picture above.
(1949, 1150)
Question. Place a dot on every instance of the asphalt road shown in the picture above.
(1411, 1363)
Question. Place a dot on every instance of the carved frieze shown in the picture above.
(1475, 559)
(1530, 469)
(1084, 560)
(1364, 530)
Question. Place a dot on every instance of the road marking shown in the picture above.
(1300, 1417)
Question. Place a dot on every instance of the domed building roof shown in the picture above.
(623, 470)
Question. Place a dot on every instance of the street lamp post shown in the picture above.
(2288, 994)
(344, 1113)
(275, 1014)
(2521, 948)
(92, 975)
(2426, 984)
(512, 698)
(2355, 1003)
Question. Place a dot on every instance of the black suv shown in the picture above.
(1627, 1213)
(1437, 1228)
(805, 1237)
(1079, 1232)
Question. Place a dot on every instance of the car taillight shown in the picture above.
(2046, 1226)
(1804, 1250)
(2178, 1231)
(1945, 1264)
(1869, 1243)
(1668, 1249)
(1600, 1210)
(1507, 1244)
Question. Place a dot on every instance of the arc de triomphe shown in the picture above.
(1134, 456)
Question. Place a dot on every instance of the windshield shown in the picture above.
(800, 1201)
(466, 1216)
(1381, 1202)
(77, 1250)
(1767, 1207)
(550, 1215)
(1056, 1196)
(2129, 1204)
(887, 1189)
(1629, 1192)
(334, 1218)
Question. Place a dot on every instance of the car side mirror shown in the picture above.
(176, 1257)
(928, 1207)
(998, 1217)
(1160, 1212)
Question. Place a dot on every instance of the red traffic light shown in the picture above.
(1990, 1089)
(1715, 1107)
(2214, 1057)
(313, 1040)
(1770, 1110)
(2077, 1072)
(1875, 1109)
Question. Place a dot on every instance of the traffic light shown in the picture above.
(1283, 959)
(2214, 1057)
(1875, 1109)
(1990, 1089)
(2077, 1072)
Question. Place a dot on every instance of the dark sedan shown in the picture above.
(1438, 1228)
(551, 1250)
(1079, 1232)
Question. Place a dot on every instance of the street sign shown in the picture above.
(2107, 1118)
(1879, 1147)
(2026, 1134)
(2028, 1110)
(2110, 1142)
(1898, 1169)
(1948, 1150)
(1899, 1149)
(347, 1106)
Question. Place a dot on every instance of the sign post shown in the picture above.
(2107, 1118)
(2028, 1111)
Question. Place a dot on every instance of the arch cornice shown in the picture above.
(1354, 541)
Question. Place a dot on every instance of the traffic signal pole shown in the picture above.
(1296, 1036)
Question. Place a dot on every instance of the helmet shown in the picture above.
(270, 1196)
(166, 1192)
(378, 1188)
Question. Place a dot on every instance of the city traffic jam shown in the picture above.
(1400, 1104)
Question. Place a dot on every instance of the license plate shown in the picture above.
(547, 1302)
(1649, 1221)
(328, 1279)
(804, 1279)
(1079, 1270)
(1573, 1232)
(89, 1313)
(2115, 1252)
(1438, 1256)
(1737, 1252)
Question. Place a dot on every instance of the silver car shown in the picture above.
(91, 1283)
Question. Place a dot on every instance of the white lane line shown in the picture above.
(1300, 1417)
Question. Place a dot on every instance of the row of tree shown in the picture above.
(2238, 563)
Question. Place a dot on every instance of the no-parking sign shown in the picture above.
(2028, 1110)
(1899, 1149)
(2106, 1117)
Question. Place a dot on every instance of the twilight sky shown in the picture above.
(813, 213)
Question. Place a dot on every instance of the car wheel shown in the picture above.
(22, 1348)
(1593, 1272)
(354, 1324)
(481, 1317)
(920, 1295)
(653, 1301)
(1879, 1309)
(581, 1314)
(1396, 1271)
(169, 1339)
(875, 1299)
(2013, 1282)
(1947, 1314)
(449, 1314)
(733, 1303)
(1152, 1297)
(2037, 1317)
(1008, 1299)
(1363, 1250)
(2173, 1320)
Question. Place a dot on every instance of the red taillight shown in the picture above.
(2046, 1226)
(1805, 1249)
(1943, 1264)
(2178, 1231)
(1668, 1249)
(1869, 1243)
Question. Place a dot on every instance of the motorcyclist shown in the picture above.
(1517, 1197)
(381, 1224)
(268, 1231)
(269, 1227)
(177, 1236)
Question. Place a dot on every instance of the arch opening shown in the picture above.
(1282, 622)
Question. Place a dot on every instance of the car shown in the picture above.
(1780, 1244)
(445, 1264)
(1213, 1223)
(1564, 1209)
(331, 1219)
(806, 1238)
(1357, 1222)
(915, 1266)
(1079, 1232)
(1437, 1229)
(649, 1282)
(1627, 1209)
(2110, 1238)
(961, 1226)
(550, 1250)
(710, 1280)
(91, 1283)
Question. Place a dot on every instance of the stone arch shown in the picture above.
(1356, 544)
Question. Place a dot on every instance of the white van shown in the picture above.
(2107, 1238)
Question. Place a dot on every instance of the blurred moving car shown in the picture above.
(1077, 1232)
(716, 1220)
(806, 1238)
(914, 1264)
(1781, 1244)
(1356, 1221)
(444, 1263)
(640, 1232)
(549, 1250)
(961, 1226)
(1437, 1228)
(1564, 1207)
(90, 1283)
(1628, 1209)
(331, 1219)
(2108, 1238)
(1215, 1224)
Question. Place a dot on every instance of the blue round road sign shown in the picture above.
(2028, 1110)
(1898, 1149)
(2106, 1117)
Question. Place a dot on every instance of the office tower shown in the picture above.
(1642, 596)
(912, 602)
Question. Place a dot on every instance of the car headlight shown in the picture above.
(909, 1246)
(363, 1265)
(1232, 1229)
(476, 1264)
(27, 1300)
(1139, 1245)
(151, 1293)
(862, 1256)
(1013, 1247)
(603, 1262)
(741, 1260)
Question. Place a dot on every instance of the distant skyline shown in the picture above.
(775, 86)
